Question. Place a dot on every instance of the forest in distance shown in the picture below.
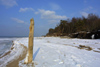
(81, 27)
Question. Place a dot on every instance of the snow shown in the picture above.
(5, 44)
(60, 52)
(63, 52)
(92, 36)
(14, 54)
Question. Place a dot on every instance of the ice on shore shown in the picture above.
(5, 44)
(13, 55)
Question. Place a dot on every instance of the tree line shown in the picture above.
(66, 27)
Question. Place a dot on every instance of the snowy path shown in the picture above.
(57, 52)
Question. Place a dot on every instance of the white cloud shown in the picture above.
(85, 1)
(8, 3)
(88, 8)
(55, 6)
(50, 15)
(47, 14)
(86, 11)
(26, 9)
(17, 20)
(36, 12)
(53, 21)
(84, 14)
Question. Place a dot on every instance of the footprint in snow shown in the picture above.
(56, 60)
(43, 57)
(61, 62)
(78, 65)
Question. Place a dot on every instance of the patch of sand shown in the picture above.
(15, 63)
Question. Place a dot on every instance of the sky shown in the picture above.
(15, 15)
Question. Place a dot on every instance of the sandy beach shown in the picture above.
(15, 63)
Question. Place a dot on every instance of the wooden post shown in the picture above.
(30, 43)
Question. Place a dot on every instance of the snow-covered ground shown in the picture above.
(58, 52)
(63, 52)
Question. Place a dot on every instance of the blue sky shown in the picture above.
(15, 15)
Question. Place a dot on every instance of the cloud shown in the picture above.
(17, 20)
(86, 11)
(36, 12)
(50, 15)
(53, 21)
(88, 8)
(85, 1)
(47, 14)
(26, 9)
(8, 3)
(84, 14)
(55, 6)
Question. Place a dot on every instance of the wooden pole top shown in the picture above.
(32, 19)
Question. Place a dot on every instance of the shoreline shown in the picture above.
(15, 63)
(10, 58)
(11, 48)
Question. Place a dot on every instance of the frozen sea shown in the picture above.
(5, 45)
